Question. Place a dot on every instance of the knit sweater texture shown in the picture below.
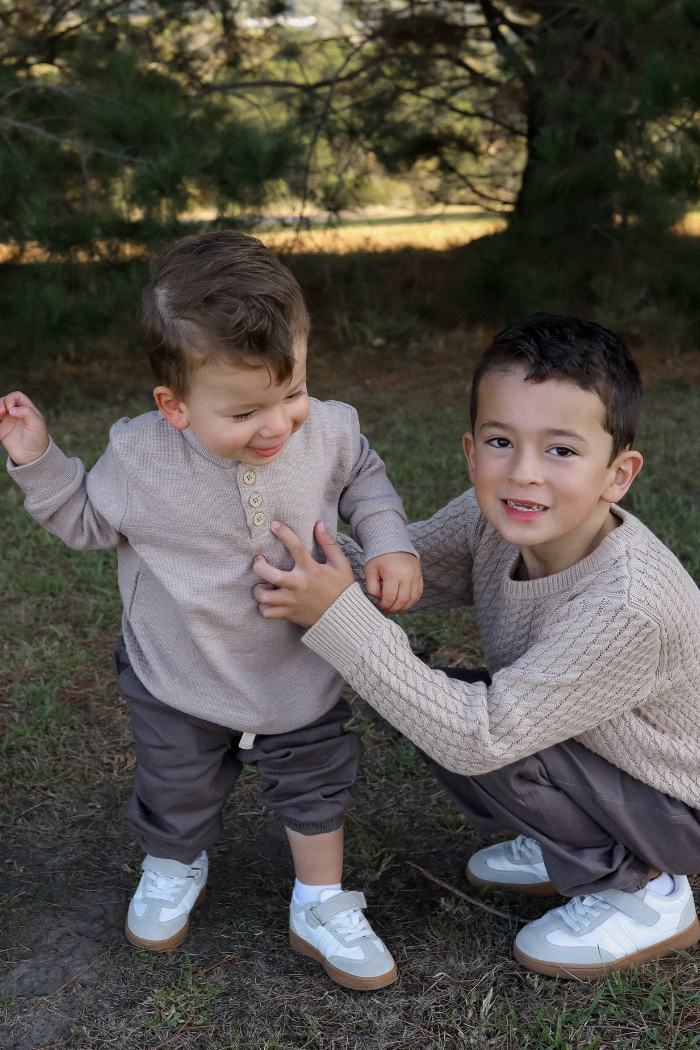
(606, 652)
(187, 525)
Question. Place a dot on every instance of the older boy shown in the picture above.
(186, 495)
(586, 737)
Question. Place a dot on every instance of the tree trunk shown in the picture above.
(575, 118)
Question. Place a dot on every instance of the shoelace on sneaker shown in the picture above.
(161, 887)
(527, 849)
(352, 925)
(578, 911)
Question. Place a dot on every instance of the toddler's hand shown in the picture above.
(22, 429)
(396, 579)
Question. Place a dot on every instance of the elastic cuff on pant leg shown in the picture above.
(321, 827)
(180, 854)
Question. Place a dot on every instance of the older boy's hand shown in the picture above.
(396, 579)
(309, 589)
(22, 429)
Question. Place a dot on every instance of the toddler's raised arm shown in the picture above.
(22, 428)
(84, 510)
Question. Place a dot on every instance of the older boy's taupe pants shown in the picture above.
(598, 826)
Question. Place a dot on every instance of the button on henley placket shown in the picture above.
(252, 495)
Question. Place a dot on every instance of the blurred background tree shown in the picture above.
(123, 123)
(105, 132)
(583, 118)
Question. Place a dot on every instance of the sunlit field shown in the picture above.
(438, 232)
(433, 232)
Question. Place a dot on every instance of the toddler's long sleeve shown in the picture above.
(84, 510)
(369, 502)
(444, 545)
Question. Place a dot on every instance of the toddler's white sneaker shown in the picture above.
(516, 866)
(335, 933)
(159, 912)
(593, 935)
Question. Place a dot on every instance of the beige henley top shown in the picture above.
(606, 652)
(187, 525)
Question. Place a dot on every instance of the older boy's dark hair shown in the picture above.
(220, 295)
(585, 353)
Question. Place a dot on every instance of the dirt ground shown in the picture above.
(71, 866)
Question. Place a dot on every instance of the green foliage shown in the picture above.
(107, 136)
(183, 1000)
(614, 92)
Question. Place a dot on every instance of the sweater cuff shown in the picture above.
(384, 533)
(50, 474)
(345, 628)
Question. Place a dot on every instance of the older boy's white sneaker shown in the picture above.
(516, 866)
(593, 935)
(335, 933)
(159, 913)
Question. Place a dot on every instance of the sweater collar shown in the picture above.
(613, 544)
(219, 461)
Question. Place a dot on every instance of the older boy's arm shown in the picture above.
(355, 555)
(598, 660)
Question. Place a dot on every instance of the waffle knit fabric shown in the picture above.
(187, 525)
(606, 652)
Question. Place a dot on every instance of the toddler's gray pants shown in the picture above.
(598, 826)
(187, 767)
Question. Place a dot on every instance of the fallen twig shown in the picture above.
(221, 962)
(186, 1027)
(51, 995)
(471, 900)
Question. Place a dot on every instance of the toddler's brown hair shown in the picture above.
(220, 295)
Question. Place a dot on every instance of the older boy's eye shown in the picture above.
(499, 443)
(295, 395)
(241, 419)
(562, 451)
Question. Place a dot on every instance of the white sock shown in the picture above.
(662, 885)
(202, 855)
(305, 894)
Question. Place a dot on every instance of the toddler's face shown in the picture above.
(241, 413)
(539, 458)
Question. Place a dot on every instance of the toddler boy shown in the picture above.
(584, 734)
(187, 494)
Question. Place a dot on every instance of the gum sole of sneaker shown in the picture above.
(171, 942)
(527, 889)
(346, 980)
(586, 972)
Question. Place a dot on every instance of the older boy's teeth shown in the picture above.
(524, 506)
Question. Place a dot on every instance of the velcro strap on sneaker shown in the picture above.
(631, 905)
(174, 868)
(341, 902)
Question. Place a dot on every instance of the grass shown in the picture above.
(67, 976)
(433, 234)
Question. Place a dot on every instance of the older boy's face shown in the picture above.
(242, 413)
(539, 461)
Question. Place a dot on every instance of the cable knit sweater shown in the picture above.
(187, 525)
(606, 652)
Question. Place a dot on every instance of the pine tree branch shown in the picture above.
(80, 148)
(495, 19)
